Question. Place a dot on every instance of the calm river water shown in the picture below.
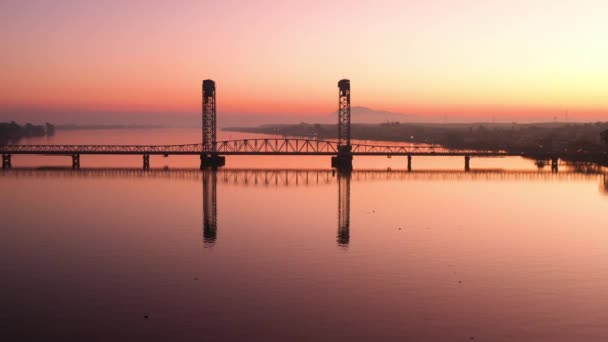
(282, 248)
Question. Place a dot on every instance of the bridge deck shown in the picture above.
(439, 154)
(250, 147)
(279, 147)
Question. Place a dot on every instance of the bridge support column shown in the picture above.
(554, 163)
(75, 161)
(146, 162)
(343, 161)
(6, 161)
(409, 163)
(467, 163)
(212, 160)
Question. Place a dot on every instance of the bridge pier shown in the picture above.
(212, 160)
(75, 161)
(344, 160)
(467, 163)
(6, 161)
(409, 163)
(554, 163)
(146, 162)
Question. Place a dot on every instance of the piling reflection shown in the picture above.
(344, 207)
(588, 168)
(209, 206)
(309, 177)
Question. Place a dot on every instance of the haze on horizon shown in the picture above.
(139, 61)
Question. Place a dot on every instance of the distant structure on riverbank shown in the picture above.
(11, 132)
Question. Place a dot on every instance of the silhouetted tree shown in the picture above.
(50, 129)
(604, 136)
(10, 133)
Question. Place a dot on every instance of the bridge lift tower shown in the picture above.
(344, 160)
(209, 155)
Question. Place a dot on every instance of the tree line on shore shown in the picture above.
(515, 138)
(11, 132)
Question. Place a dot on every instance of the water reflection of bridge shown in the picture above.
(294, 177)
(288, 178)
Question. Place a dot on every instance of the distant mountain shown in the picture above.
(371, 116)
(358, 115)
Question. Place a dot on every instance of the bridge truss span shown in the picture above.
(102, 149)
(275, 146)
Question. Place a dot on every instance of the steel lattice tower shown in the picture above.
(344, 116)
(209, 116)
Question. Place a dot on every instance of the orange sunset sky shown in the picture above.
(511, 60)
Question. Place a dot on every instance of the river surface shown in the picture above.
(283, 248)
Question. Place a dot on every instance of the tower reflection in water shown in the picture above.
(209, 206)
(343, 207)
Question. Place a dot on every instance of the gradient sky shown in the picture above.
(504, 59)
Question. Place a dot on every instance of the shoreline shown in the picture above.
(579, 142)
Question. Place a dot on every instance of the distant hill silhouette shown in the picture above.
(358, 115)
(368, 115)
